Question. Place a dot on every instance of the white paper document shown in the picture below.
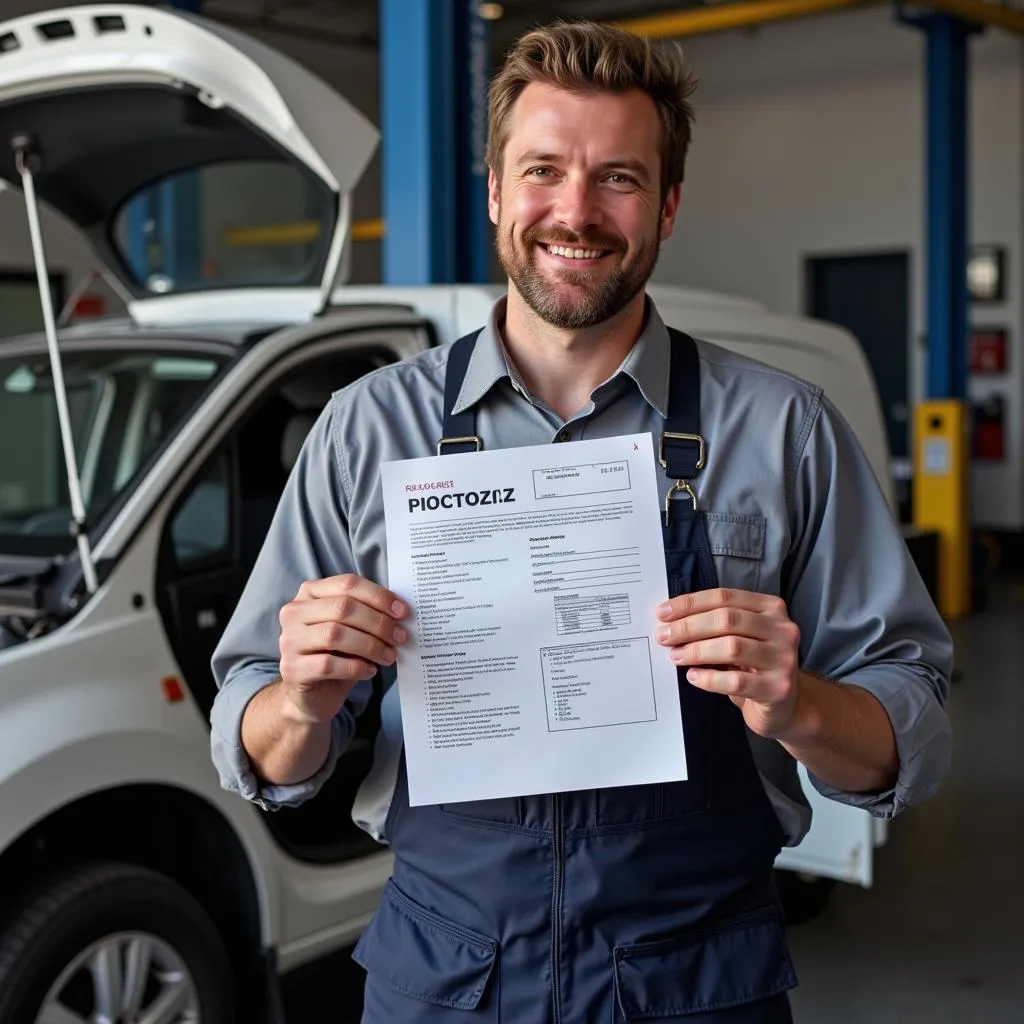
(533, 575)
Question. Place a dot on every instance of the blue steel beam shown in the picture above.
(417, 46)
(947, 65)
(946, 62)
(473, 65)
(434, 67)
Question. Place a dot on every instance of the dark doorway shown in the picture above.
(870, 295)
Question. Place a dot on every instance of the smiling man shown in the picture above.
(800, 628)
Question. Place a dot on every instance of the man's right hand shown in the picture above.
(335, 633)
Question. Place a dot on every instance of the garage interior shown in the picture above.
(860, 162)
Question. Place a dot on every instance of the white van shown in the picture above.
(133, 884)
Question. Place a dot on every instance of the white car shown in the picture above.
(134, 887)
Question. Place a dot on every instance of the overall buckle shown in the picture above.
(701, 452)
(473, 440)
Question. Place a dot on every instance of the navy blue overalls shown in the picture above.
(641, 903)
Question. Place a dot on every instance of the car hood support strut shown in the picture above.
(27, 160)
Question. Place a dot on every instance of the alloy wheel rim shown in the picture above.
(123, 978)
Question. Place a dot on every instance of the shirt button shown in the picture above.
(564, 435)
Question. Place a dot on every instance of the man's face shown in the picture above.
(578, 206)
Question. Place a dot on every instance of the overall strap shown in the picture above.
(458, 433)
(681, 450)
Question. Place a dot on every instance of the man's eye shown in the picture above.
(621, 179)
(537, 172)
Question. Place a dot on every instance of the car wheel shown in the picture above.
(113, 942)
(803, 897)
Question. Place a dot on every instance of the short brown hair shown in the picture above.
(592, 56)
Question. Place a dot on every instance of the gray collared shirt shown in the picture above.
(792, 506)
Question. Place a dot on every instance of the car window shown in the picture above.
(124, 407)
(200, 529)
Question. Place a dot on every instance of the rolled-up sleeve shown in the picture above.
(307, 540)
(864, 613)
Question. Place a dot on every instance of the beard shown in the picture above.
(575, 299)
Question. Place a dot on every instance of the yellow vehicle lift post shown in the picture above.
(941, 496)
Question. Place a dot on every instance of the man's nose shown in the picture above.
(577, 208)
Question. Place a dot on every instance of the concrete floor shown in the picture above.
(940, 936)
(939, 939)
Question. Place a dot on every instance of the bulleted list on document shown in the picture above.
(463, 699)
(590, 686)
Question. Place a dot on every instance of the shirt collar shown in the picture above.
(647, 363)
(488, 363)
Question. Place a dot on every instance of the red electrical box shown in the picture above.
(990, 429)
(987, 350)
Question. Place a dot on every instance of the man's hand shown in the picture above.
(741, 644)
(333, 634)
(746, 646)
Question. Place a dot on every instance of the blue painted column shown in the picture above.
(947, 69)
(473, 63)
(434, 62)
(139, 222)
(946, 64)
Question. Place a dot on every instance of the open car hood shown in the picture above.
(129, 105)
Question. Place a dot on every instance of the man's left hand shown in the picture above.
(741, 644)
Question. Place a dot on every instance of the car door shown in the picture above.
(213, 532)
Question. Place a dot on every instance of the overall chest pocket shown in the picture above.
(737, 548)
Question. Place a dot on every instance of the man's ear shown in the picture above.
(669, 210)
(493, 194)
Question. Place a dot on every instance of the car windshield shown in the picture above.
(123, 406)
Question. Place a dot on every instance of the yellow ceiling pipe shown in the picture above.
(983, 13)
(699, 20)
(747, 13)
(368, 230)
(297, 232)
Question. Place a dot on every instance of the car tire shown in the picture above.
(803, 897)
(97, 926)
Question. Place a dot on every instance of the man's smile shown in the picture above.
(572, 255)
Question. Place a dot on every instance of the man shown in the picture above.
(800, 627)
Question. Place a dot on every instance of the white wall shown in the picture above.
(810, 139)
